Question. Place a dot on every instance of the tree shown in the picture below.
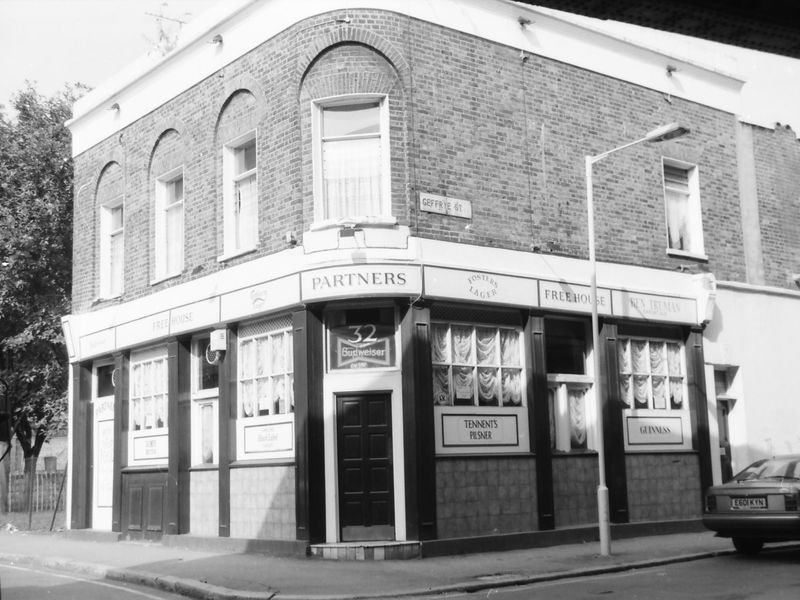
(168, 30)
(35, 263)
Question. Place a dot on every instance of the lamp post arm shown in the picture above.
(602, 155)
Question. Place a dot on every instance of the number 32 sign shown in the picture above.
(362, 346)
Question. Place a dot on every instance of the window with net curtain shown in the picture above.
(266, 375)
(567, 384)
(205, 398)
(352, 161)
(241, 195)
(112, 246)
(652, 373)
(169, 226)
(476, 365)
(681, 195)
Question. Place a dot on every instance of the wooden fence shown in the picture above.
(46, 487)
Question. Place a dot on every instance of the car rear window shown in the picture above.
(771, 468)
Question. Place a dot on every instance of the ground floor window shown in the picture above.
(265, 424)
(477, 365)
(654, 388)
(205, 398)
(652, 373)
(569, 412)
(147, 421)
(479, 390)
(569, 388)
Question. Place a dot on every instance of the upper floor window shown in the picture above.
(682, 200)
(240, 195)
(169, 225)
(352, 159)
(112, 244)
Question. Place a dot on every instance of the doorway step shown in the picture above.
(384, 550)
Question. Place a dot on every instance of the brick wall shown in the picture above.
(263, 503)
(777, 155)
(663, 487)
(485, 496)
(469, 119)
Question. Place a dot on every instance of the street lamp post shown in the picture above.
(660, 134)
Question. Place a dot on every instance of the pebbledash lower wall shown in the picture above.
(575, 479)
(485, 496)
(263, 502)
(204, 502)
(663, 487)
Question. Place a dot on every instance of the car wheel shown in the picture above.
(749, 547)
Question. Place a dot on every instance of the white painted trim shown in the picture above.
(245, 24)
(71, 401)
(713, 425)
(248, 287)
(758, 289)
(340, 382)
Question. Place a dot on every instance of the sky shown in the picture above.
(53, 42)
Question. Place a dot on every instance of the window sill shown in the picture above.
(568, 453)
(688, 255)
(261, 462)
(355, 221)
(231, 255)
(100, 299)
(158, 280)
(160, 468)
(204, 467)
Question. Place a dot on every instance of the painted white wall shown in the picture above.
(757, 330)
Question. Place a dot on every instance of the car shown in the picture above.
(758, 505)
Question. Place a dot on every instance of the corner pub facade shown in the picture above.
(331, 280)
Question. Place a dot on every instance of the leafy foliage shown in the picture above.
(35, 261)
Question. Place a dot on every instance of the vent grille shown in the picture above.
(265, 326)
(452, 313)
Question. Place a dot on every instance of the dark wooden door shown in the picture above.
(143, 505)
(366, 500)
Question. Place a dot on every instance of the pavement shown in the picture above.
(229, 575)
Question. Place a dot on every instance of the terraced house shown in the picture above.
(334, 277)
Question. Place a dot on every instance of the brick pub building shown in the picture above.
(331, 280)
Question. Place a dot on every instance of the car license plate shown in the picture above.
(755, 503)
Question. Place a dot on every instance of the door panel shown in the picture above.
(135, 508)
(366, 501)
(143, 504)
